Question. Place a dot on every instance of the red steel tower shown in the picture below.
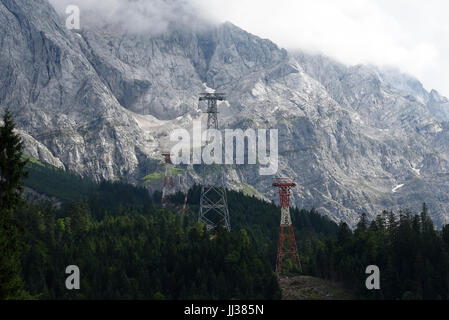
(186, 196)
(168, 178)
(185, 202)
(287, 243)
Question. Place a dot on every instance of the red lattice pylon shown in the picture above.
(287, 243)
(168, 178)
(186, 196)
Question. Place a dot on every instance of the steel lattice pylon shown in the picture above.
(168, 178)
(287, 242)
(213, 202)
(183, 210)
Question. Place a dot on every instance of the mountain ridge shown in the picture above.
(102, 103)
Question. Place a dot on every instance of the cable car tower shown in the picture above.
(168, 178)
(287, 244)
(213, 202)
(183, 210)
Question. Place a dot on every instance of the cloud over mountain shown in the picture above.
(137, 16)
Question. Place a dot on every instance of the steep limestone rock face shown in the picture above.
(101, 102)
(148, 75)
(438, 105)
(396, 112)
(57, 96)
(349, 135)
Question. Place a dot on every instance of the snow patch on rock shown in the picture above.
(395, 189)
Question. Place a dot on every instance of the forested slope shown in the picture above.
(128, 247)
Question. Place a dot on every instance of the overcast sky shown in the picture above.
(412, 35)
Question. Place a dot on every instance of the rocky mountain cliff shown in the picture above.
(102, 102)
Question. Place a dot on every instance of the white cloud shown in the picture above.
(150, 16)
(411, 35)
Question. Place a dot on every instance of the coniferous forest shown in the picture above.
(127, 247)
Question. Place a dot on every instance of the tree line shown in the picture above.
(413, 257)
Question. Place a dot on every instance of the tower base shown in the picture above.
(287, 248)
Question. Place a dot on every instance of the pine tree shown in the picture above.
(445, 234)
(11, 173)
(362, 224)
(11, 164)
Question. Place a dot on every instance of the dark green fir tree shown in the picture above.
(11, 174)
